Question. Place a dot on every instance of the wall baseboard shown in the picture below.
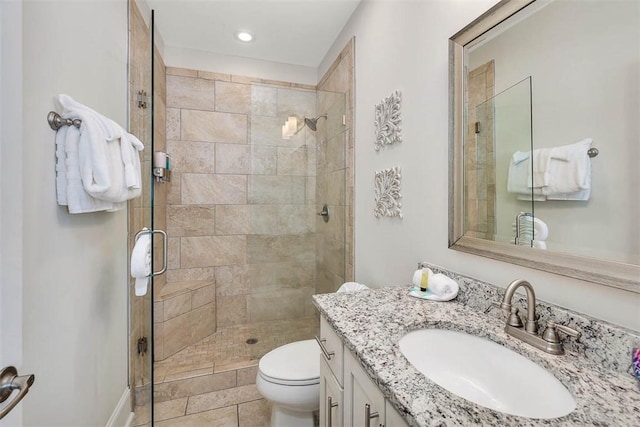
(122, 415)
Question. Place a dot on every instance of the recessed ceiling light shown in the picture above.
(244, 36)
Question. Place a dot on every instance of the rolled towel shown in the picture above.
(442, 285)
(141, 263)
(351, 287)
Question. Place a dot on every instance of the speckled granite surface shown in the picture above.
(372, 322)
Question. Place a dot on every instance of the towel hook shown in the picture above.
(593, 152)
(56, 121)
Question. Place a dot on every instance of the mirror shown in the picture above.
(530, 82)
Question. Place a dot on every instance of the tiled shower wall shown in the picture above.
(140, 208)
(335, 173)
(241, 204)
(479, 155)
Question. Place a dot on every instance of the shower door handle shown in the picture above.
(164, 248)
(9, 381)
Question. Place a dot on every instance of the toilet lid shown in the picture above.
(295, 362)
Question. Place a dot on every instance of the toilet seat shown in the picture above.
(294, 364)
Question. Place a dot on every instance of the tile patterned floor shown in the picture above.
(212, 383)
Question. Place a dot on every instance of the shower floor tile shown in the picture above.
(226, 364)
(228, 348)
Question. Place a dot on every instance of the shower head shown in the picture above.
(293, 125)
(313, 123)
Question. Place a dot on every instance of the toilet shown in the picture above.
(289, 378)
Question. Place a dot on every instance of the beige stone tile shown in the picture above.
(173, 123)
(233, 219)
(175, 71)
(190, 220)
(173, 249)
(231, 310)
(142, 416)
(233, 97)
(192, 156)
(268, 131)
(174, 188)
(213, 76)
(335, 154)
(202, 189)
(264, 100)
(202, 296)
(254, 414)
(222, 417)
(169, 409)
(214, 127)
(232, 280)
(333, 255)
(283, 219)
(209, 251)
(292, 161)
(247, 375)
(335, 188)
(266, 189)
(264, 160)
(237, 366)
(273, 277)
(222, 398)
(233, 158)
(177, 305)
(286, 304)
(188, 329)
(189, 92)
(297, 248)
(158, 311)
(159, 372)
(296, 101)
(178, 275)
(310, 190)
(158, 341)
(188, 373)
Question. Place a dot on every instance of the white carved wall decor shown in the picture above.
(388, 121)
(387, 189)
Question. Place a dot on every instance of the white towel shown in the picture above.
(61, 166)
(108, 156)
(352, 287)
(519, 178)
(71, 192)
(572, 175)
(441, 288)
(538, 173)
(141, 263)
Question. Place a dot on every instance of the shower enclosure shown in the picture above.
(247, 246)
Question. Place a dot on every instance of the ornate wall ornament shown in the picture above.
(387, 188)
(388, 121)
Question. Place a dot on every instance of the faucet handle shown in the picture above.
(514, 319)
(551, 333)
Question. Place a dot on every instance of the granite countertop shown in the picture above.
(372, 322)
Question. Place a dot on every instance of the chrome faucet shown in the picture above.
(549, 340)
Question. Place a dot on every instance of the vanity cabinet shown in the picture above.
(348, 397)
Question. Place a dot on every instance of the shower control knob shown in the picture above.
(324, 213)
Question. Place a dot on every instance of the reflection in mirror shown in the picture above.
(534, 85)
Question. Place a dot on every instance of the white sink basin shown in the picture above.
(486, 373)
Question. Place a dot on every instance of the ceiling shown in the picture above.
(298, 32)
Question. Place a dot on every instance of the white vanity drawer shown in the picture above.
(332, 352)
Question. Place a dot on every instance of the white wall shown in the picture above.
(74, 267)
(404, 45)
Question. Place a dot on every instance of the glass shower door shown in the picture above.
(141, 212)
